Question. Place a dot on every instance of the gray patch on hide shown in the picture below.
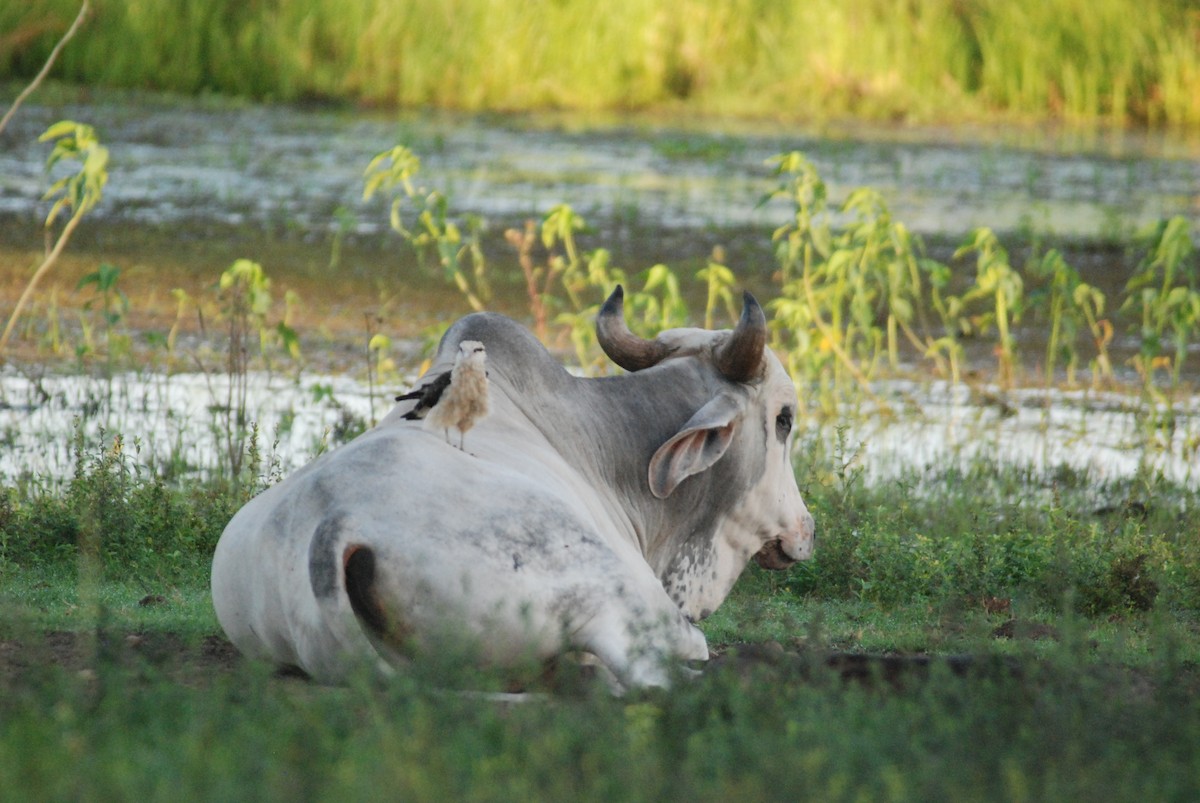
(323, 560)
(317, 496)
(537, 535)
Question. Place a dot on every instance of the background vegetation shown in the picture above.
(1110, 61)
(970, 632)
(1032, 634)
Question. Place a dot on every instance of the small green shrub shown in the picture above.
(849, 292)
(1070, 305)
(564, 288)
(110, 511)
(964, 543)
(996, 299)
(77, 194)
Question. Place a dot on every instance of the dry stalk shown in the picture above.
(41, 76)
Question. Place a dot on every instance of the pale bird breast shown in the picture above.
(465, 400)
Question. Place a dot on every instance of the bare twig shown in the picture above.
(29, 90)
(51, 258)
(523, 241)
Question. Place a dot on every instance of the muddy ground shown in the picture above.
(198, 662)
(75, 652)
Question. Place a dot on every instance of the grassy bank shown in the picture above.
(940, 536)
(1057, 672)
(1114, 61)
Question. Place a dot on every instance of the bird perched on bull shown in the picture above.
(456, 399)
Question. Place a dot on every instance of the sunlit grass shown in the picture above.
(1114, 61)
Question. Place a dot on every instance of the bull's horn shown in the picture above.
(740, 358)
(622, 346)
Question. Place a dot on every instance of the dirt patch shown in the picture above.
(198, 661)
(895, 672)
(182, 659)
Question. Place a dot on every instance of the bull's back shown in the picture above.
(434, 520)
(262, 585)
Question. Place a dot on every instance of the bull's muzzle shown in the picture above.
(795, 545)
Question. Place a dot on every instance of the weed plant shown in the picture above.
(1166, 294)
(76, 194)
(1111, 61)
(564, 285)
(114, 512)
(963, 537)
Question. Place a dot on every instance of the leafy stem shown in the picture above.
(78, 193)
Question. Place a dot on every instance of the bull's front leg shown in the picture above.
(642, 645)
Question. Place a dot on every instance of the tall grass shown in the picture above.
(1114, 61)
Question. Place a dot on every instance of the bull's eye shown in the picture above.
(783, 423)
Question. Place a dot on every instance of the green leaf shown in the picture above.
(902, 309)
(59, 129)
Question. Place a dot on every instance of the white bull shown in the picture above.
(603, 515)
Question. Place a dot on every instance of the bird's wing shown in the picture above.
(427, 396)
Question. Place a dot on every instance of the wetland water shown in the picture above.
(652, 192)
(178, 424)
(265, 166)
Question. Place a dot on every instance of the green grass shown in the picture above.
(50, 598)
(126, 734)
(1113, 61)
(1062, 725)
(1089, 693)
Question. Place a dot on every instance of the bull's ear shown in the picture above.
(701, 442)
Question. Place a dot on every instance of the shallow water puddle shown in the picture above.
(1099, 434)
(178, 423)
